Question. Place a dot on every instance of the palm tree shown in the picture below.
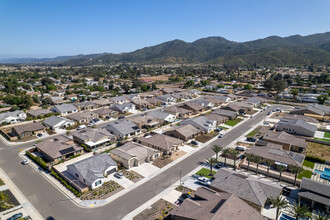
(211, 161)
(320, 216)
(279, 203)
(234, 153)
(297, 211)
(281, 168)
(217, 149)
(225, 153)
(257, 160)
(296, 170)
(268, 163)
(249, 158)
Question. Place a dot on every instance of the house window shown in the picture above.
(99, 182)
(77, 175)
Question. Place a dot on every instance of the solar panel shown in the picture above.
(67, 150)
(276, 152)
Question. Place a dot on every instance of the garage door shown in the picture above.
(111, 171)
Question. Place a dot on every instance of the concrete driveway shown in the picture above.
(186, 148)
(124, 182)
(172, 196)
(145, 169)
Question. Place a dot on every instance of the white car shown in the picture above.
(25, 162)
(81, 127)
(204, 181)
(90, 125)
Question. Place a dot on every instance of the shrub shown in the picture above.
(65, 183)
(314, 159)
(86, 148)
(38, 160)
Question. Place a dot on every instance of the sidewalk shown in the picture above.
(25, 206)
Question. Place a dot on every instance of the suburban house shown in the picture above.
(64, 109)
(288, 141)
(133, 154)
(57, 149)
(106, 112)
(255, 101)
(211, 99)
(154, 102)
(202, 123)
(163, 143)
(178, 111)
(146, 121)
(252, 190)
(223, 99)
(229, 114)
(92, 170)
(86, 105)
(38, 112)
(119, 99)
(193, 106)
(301, 117)
(142, 104)
(55, 122)
(162, 115)
(28, 130)
(239, 107)
(184, 132)
(296, 127)
(313, 110)
(219, 118)
(83, 117)
(166, 98)
(101, 103)
(125, 107)
(209, 204)
(94, 138)
(275, 153)
(123, 128)
(182, 95)
(194, 92)
(167, 90)
(314, 194)
(132, 97)
(12, 117)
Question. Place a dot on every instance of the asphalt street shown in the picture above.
(51, 202)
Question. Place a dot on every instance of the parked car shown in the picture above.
(80, 127)
(204, 181)
(195, 176)
(91, 125)
(183, 197)
(251, 139)
(240, 148)
(96, 120)
(194, 142)
(220, 135)
(217, 130)
(24, 162)
(39, 135)
(119, 175)
(266, 123)
(220, 128)
(107, 117)
(269, 113)
(16, 216)
(218, 165)
(121, 117)
(286, 191)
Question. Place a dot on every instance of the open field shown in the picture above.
(159, 210)
(318, 150)
(155, 78)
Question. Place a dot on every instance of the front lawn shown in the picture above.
(205, 172)
(322, 139)
(305, 173)
(233, 122)
(327, 134)
(206, 137)
(254, 132)
(309, 164)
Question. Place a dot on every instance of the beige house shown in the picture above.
(163, 143)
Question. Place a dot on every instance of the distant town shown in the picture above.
(178, 141)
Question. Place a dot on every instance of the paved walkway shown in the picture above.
(319, 134)
(316, 176)
(25, 207)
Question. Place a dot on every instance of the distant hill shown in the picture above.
(273, 50)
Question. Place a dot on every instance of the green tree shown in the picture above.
(299, 211)
(249, 158)
(296, 170)
(320, 216)
(153, 86)
(278, 203)
(234, 153)
(125, 87)
(47, 101)
(269, 84)
(294, 92)
(217, 149)
(144, 87)
(225, 154)
(188, 84)
(322, 98)
(268, 163)
(248, 87)
(257, 160)
(26, 101)
(280, 85)
(211, 161)
(280, 169)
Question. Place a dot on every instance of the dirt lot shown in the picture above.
(162, 161)
(206, 137)
(318, 150)
(159, 210)
(155, 78)
(258, 132)
(184, 189)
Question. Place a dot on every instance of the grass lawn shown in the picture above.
(205, 172)
(305, 173)
(108, 151)
(308, 164)
(233, 122)
(318, 150)
(1, 182)
(322, 139)
(327, 134)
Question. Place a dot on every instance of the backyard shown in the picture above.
(159, 210)
(205, 172)
(318, 150)
(305, 173)
(233, 122)
(309, 164)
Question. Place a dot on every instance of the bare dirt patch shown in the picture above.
(318, 150)
(206, 137)
(162, 161)
(132, 176)
(159, 210)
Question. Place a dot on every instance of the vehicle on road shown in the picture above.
(107, 117)
(50, 218)
(24, 162)
(119, 175)
(80, 127)
(194, 142)
(204, 181)
(16, 216)
(220, 135)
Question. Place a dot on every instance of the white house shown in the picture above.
(64, 109)
(12, 117)
(55, 122)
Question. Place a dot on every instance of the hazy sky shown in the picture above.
(48, 28)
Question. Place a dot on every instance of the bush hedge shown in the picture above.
(38, 160)
(314, 159)
(65, 183)
(87, 149)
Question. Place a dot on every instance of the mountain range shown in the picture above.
(273, 50)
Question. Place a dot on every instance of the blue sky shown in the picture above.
(48, 28)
